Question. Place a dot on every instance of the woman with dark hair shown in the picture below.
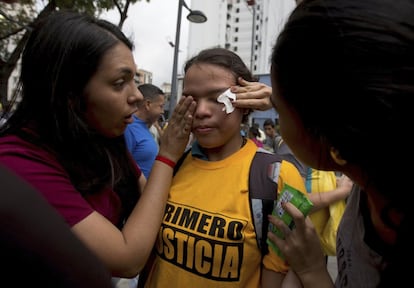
(342, 74)
(65, 138)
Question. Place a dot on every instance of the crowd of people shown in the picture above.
(338, 68)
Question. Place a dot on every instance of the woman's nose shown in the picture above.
(136, 95)
(203, 107)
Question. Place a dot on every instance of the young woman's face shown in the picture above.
(212, 126)
(111, 94)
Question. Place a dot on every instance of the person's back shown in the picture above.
(138, 137)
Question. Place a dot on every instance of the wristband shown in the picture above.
(165, 160)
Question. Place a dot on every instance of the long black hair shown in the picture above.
(62, 53)
(347, 68)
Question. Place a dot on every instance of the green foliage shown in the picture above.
(87, 6)
(13, 22)
(16, 18)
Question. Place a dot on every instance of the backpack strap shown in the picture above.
(277, 141)
(180, 161)
(263, 177)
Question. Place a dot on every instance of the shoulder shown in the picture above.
(18, 152)
(278, 139)
(45, 234)
(289, 174)
(22, 155)
(41, 169)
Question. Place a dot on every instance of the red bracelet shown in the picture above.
(165, 160)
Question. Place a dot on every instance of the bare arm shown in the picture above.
(125, 252)
(322, 200)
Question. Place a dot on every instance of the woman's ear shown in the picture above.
(336, 157)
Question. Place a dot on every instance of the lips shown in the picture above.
(129, 119)
(202, 129)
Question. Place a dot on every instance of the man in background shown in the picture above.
(275, 144)
(138, 137)
(272, 139)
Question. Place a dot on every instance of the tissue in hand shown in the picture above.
(226, 97)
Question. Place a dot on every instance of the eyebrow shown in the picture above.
(213, 91)
(219, 90)
(125, 70)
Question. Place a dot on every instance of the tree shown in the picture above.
(17, 19)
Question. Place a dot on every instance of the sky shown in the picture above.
(151, 26)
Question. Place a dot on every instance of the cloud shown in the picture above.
(152, 26)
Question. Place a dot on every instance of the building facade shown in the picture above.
(249, 28)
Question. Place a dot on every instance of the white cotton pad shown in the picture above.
(226, 99)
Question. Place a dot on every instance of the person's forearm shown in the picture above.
(144, 222)
(324, 199)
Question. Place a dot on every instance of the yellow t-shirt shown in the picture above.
(207, 237)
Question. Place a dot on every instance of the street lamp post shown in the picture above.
(253, 4)
(194, 16)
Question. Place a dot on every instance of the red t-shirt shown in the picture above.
(41, 169)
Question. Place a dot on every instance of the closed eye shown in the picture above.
(119, 83)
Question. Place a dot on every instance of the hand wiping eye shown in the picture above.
(226, 97)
